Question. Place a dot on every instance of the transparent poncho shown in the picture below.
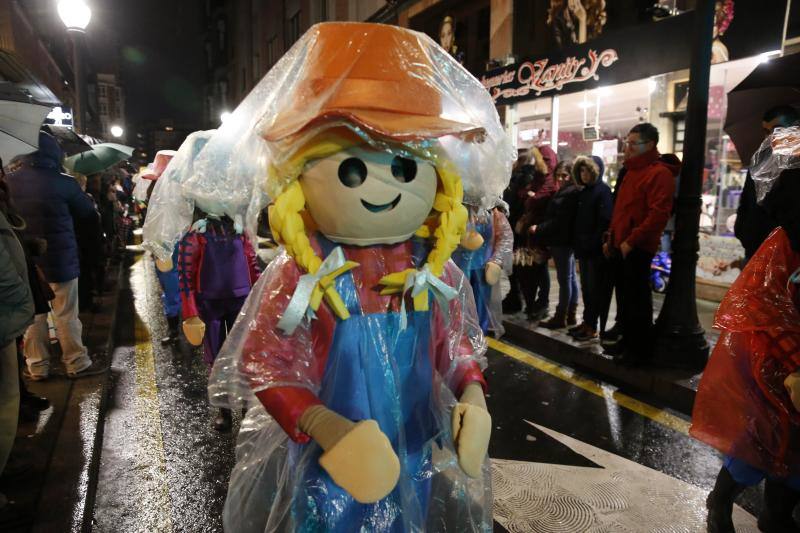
(389, 360)
(778, 152)
(140, 186)
(171, 208)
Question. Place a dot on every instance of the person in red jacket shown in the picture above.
(642, 209)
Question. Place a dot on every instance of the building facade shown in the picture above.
(109, 105)
(46, 56)
(245, 38)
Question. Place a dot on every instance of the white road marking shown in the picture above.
(622, 496)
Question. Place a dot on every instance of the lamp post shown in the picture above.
(75, 15)
(680, 340)
(117, 131)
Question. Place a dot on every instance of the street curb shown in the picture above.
(94, 461)
(673, 388)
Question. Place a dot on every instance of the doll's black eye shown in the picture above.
(403, 169)
(352, 172)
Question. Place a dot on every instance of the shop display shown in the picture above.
(361, 340)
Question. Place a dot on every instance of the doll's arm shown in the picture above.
(189, 258)
(283, 370)
(503, 239)
(459, 341)
(358, 455)
(250, 254)
(792, 384)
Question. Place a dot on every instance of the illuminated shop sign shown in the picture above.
(533, 78)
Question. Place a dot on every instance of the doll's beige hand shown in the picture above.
(358, 456)
(792, 384)
(164, 266)
(492, 271)
(472, 428)
(472, 240)
(194, 329)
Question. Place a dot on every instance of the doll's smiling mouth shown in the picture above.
(383, 207)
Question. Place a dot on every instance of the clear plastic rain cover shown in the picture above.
(780, 151)
(498, 243)
(388, 360)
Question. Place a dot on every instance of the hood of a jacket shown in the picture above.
(672, 162)
(49, 154)
(594, 164)
(550, 158)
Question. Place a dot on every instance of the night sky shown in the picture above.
(157, 46)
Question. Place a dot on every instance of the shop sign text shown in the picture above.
(540, 76)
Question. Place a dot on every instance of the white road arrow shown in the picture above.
(622, 496)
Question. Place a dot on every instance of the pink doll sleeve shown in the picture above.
(459, 344)
(190, 252)
(284, 370)
(250, 254)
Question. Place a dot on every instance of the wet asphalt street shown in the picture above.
(569, 454)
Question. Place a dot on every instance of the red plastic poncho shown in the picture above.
(742, 407)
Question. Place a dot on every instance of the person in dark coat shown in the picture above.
(555, 232)
(515, 195)
(592, 217)
(534, 275)
(48, 200)
(753, 222)
(91, 251)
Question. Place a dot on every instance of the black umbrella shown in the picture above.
(771, 84)
(70, 142)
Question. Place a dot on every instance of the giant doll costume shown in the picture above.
(484, 252)
(359, 350)
(217, 268)
(214, 257)
(748, 401)
(166, 272)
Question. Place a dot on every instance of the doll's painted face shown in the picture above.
(362, 196)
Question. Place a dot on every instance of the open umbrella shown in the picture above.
(70, 142)
(24, 104)
(771, 84)
(99, 158)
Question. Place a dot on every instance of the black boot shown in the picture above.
(779, 504)
(572, 315)
(223, 421)
(172, 330)
(512, 304)
(720, 503)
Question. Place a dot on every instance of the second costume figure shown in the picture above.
(217, 268)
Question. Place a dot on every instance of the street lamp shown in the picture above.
(75, 15)
(224, 116)
(117, 131)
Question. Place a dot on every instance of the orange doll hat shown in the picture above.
(163, 157)
(378, 77)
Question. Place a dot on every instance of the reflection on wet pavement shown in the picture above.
(163, 468)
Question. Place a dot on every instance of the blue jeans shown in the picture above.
(567, 281)
(594, 271)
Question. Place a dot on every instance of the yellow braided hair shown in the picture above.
(286, 214)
